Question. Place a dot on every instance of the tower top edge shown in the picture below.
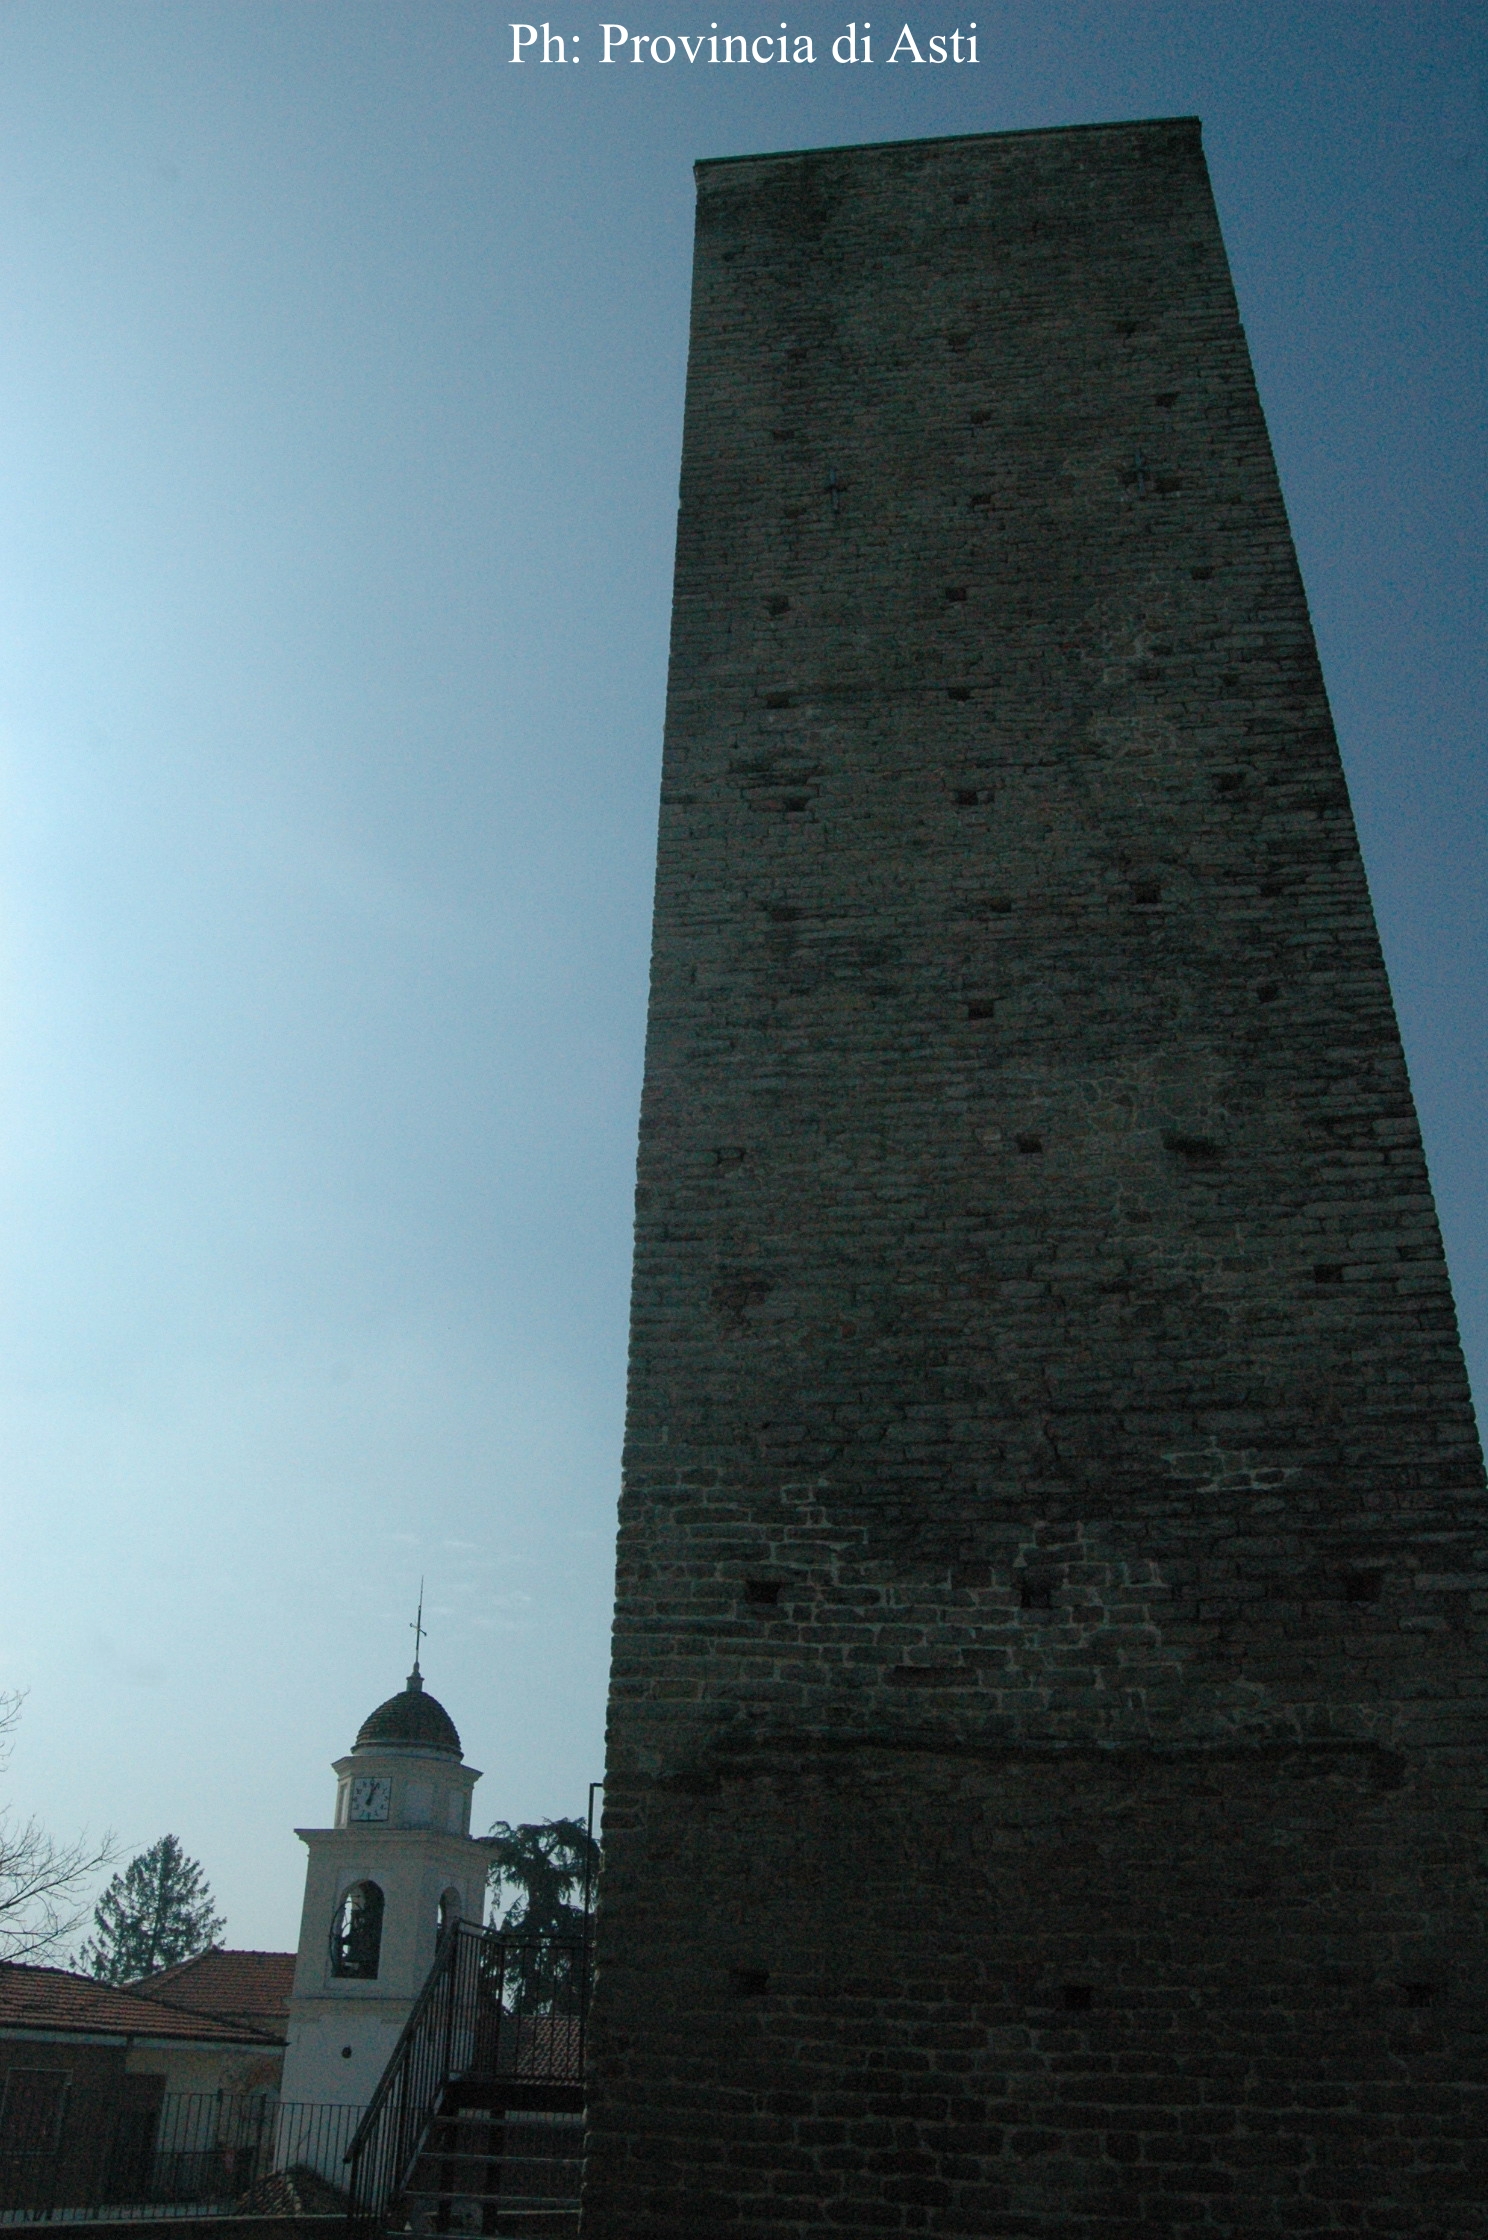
(1193, 125)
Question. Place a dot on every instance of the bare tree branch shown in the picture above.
(43, 1883)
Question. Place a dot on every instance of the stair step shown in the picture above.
(540, 2118)
(517, 2150)
(536, 2204)
(449, 2154)
(552, 2221)
(518, 2192)
(518, 2140)
(541, 2178)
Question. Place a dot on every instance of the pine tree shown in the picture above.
(158, 1911)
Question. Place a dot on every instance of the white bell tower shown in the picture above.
(399, 1863)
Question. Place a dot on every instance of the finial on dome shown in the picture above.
(416, 1678)
(413, 1719)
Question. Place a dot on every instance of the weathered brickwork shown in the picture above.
(1046, 1770)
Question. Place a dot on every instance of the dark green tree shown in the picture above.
(158, 1911)
(540, 1873)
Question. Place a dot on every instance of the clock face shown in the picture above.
(371, 1795)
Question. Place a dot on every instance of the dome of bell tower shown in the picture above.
(410, 1720)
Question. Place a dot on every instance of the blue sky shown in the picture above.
(341, 373)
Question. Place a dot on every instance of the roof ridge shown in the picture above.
(40, 1968)
(228, 1952)
(217, 1952)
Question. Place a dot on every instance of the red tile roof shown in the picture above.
(247, 1987)
(55, 1999)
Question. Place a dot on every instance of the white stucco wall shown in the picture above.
(414, 1856)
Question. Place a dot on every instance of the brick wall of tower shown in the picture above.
(1046, 1758)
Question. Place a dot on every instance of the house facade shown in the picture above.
(86, 2070)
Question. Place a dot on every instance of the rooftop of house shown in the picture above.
(252, 1988)
(55, 2000)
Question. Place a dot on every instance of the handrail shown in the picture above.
(443, 1954)
(496, 2010)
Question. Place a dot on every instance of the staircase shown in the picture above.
(507, 2163)
(478, 2123)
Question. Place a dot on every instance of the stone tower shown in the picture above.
(1046, 1788)
(399, 1862)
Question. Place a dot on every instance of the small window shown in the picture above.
(34, 2105)
(356, 1933)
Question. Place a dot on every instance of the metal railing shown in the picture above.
(500, 2018)
(70, 2152)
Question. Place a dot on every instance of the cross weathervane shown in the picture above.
(418, 1628)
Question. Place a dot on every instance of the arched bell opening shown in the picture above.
(356, 1932)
